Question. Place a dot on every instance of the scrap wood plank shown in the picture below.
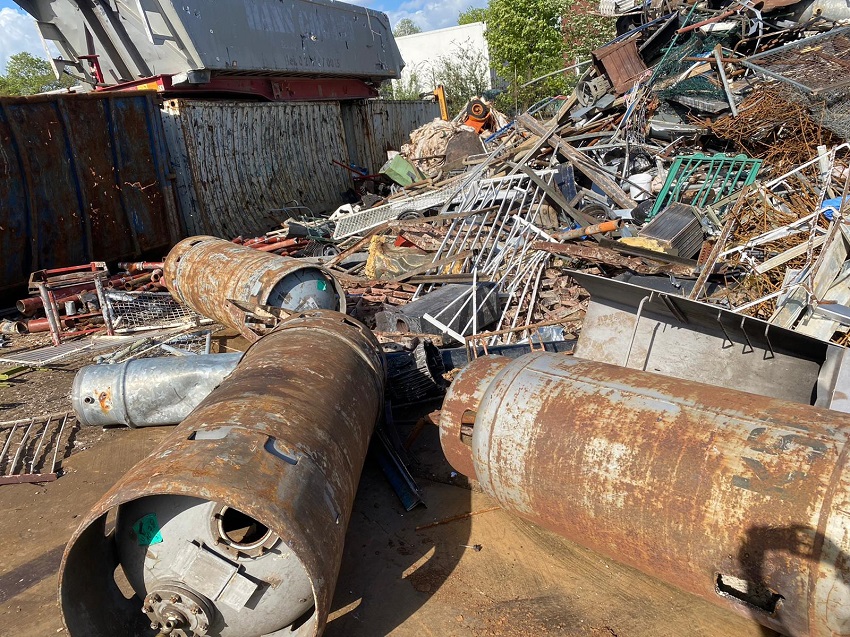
(690, 265)
(586, 166)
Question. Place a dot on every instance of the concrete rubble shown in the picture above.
(624, 312)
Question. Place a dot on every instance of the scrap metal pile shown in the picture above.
(679, 219)
(702, 153)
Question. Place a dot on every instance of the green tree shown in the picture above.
(530, 38)
(583, 31)
(406, 88)
(406, 26)
(472, 14)
(464, 74)
(525, 41)
(27, 74)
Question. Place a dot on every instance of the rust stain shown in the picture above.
(104, 399)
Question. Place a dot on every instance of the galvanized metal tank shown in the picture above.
(147, 392)
(741, 499)
(234, 525)
(207, 273)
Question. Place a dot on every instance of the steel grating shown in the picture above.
(139, 310)
(31, 447)
(705, 180)
(50, 354)
(357, 222)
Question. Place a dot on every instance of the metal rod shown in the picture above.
(634, 331)
(49, 311)
(40, 443)
(8, 441)
(21, 448)
(746, 337)
(563, 70)
(58, 440)
(722, 73)
(104, 305)
(474, 300)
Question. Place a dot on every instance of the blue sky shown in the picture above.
(18, 32)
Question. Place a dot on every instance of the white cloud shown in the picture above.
(19, 34)
(433, 14)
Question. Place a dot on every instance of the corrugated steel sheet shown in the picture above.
(373, 127)
(238, 161)
(84, 177)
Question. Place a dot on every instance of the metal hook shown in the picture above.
(725, 333)
(769, 345)
(747, 338)
(634, 331)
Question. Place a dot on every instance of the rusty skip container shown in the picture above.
(234, 525)
(84, 178)
(741, 499)
(207, 273)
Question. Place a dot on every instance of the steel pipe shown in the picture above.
(12, 327)
(741, 499)
(149, 391)
(234, 525)
(207, 274)
(43, 324)
(139, 266)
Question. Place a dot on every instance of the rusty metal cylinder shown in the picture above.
(207, 273)
(234, 525)
(741, 499)
(43, 324)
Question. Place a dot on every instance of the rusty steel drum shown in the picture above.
(208, 274)
(234, 525)
(741, 499)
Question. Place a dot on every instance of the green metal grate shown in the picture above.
(702, 180)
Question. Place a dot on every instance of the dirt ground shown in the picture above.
(394, 579)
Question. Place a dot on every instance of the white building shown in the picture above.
(422, 53)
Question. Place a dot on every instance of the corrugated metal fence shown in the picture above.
(374, 127)
(82, 178)
(237, 162)
(88, 177)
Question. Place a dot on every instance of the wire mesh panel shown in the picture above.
(359, 222)
(148, 310)
(813, 64)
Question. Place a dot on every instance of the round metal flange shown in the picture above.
(176, 611)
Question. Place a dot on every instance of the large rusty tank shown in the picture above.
(741, 499)
(234, 525)
(225, 281)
